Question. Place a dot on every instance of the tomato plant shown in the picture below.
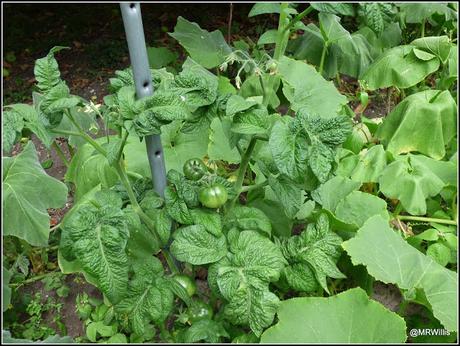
(310, 201)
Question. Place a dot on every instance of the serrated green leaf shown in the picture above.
(195, 245)
(99, 234)
(287, 193)
(176, 207)
(12, 126)
(242, 277)
(205, 330)
(209, 219)
(46, 70)
(317, 248)
(252, 306)
(149, 297)
(248, 218)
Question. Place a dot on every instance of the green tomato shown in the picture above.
(186, 282)
(194, 169)
(199, 310)
(364, 98)
(213, 196)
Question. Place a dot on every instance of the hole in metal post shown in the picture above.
(132, 5)
(158, 153)
(146, 84)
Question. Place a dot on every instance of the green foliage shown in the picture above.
(406, 267)
(148, 297)
(285, 177)
(376, 15)
(206, 48)
(335, 319)
(312, 257)
(435, 109)
(27, 193)
(242, 277)
(307, 143)
(96, 235)
(195, 245)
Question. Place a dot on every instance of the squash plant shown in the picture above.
(271, 227)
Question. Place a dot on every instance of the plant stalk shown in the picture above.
(298, 18)
(426, 219)
(323, 57)
(242, 170)
(60, 153)
(254, 187)
(87, 137)
(33, 279)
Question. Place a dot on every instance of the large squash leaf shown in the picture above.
(27, 194)
(349, 317)
(348, 208)
(209, 49)
(410, 181)
(390, 259)
(399, 67)
(432, 113)
(305, 88)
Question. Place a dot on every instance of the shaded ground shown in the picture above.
(95, 34)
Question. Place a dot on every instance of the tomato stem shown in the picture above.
(242, 170)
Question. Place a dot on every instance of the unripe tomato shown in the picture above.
(186, 282)
(199, 310)
(213, 196)
(194, 169)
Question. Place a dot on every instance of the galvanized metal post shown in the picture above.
(132, 20)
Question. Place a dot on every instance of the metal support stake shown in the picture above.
(132, 20)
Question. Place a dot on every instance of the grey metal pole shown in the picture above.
(132, 20)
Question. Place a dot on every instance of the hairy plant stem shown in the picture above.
(242, 170)
(426, 219)
(283, 34)
(298, 18)
(123, 142)
(254, 187)
(60, 153)
(87, 137)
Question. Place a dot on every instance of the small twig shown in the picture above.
(229, 29)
